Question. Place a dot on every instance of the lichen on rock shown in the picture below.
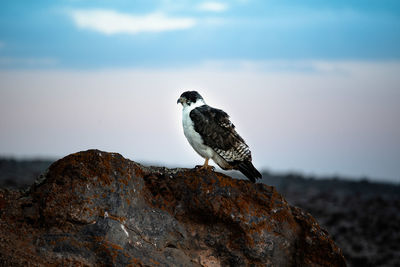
(99, 209)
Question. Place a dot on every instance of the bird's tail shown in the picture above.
(248, 169)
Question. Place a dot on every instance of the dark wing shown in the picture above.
(215, 128)
(219, 133)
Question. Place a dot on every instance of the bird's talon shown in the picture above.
(202, 167)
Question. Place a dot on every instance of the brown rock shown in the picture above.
(96, 208)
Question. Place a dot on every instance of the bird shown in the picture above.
(213, 136)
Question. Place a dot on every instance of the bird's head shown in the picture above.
(190, 97)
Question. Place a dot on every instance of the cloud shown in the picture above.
(112, 22)
(213, 6)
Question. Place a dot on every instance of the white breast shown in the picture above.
(192, 136)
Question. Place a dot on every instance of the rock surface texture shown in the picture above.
(95, 208)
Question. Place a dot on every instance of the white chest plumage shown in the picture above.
(192, 136)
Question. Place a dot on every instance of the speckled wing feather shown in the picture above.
(219, 133)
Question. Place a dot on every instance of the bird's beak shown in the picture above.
(180, 100)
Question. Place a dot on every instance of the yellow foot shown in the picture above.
(207, 168)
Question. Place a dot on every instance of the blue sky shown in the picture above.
(53, 33)
(311, 85)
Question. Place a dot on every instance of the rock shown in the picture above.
(95, 208)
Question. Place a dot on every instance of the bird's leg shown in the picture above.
(205, 166)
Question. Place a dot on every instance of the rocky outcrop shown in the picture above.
(95, 208)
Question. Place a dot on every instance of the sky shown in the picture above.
(311, 85)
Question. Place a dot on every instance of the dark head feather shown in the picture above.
(191, 96)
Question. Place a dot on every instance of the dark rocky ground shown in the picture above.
(21, 173)
(362, 217)
(94, 208)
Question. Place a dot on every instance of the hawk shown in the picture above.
(213, 136)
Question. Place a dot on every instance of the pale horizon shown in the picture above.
(334, 120)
